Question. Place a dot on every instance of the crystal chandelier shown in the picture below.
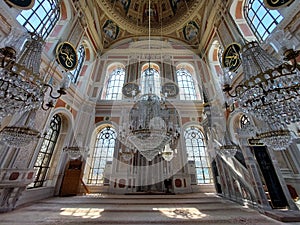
(228, 149)
(76, 147)
(276, 139)
(20, 135)
(22, 88)
(74, 152)
(152, 126)
(270, 92)
(168, 153)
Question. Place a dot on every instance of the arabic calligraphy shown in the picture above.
(231, 56)
(67, 56)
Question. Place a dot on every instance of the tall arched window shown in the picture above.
(103, 155)
(197, 154)
(186, 84)
(150, 79)
(261, 20)
(115, 82)
(45, 154)
(81, 57)
(41, 18)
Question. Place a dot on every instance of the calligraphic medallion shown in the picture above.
(275, 4)
(231, 56)
(23, 4)
(130, 90)
(66, 55)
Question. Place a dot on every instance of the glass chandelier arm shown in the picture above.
(228, 90)
(229, 107)
(291, 55)
(47, 106)
(61, 91)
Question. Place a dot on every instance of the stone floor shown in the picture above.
(136, 209)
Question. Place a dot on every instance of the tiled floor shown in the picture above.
(136, 209)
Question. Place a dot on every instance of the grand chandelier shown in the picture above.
(270, 92)
(152, 126)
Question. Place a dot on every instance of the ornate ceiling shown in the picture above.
(121, 19)
(165, 15)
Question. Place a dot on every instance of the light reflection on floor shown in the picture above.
(181, 213)
(91, 213)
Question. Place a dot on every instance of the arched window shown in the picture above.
(244, 121)
(150, 79)
(45, 154)
(41, 18)
(115, 82)
(186, 84)
(102, 156)
(197, 155)
(261, 20)
(81, 57)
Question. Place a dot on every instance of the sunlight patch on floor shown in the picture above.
(90, 213)
(181, 213)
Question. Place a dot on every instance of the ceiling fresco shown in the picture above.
(121, 19)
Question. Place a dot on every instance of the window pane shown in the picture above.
(261, 20)
(81, 57)
(44, 157)
(40, 19)
(103, 153)
(197, 153)
(186, 85)
(115, 84)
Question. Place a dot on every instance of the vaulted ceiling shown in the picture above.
(116, 20)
